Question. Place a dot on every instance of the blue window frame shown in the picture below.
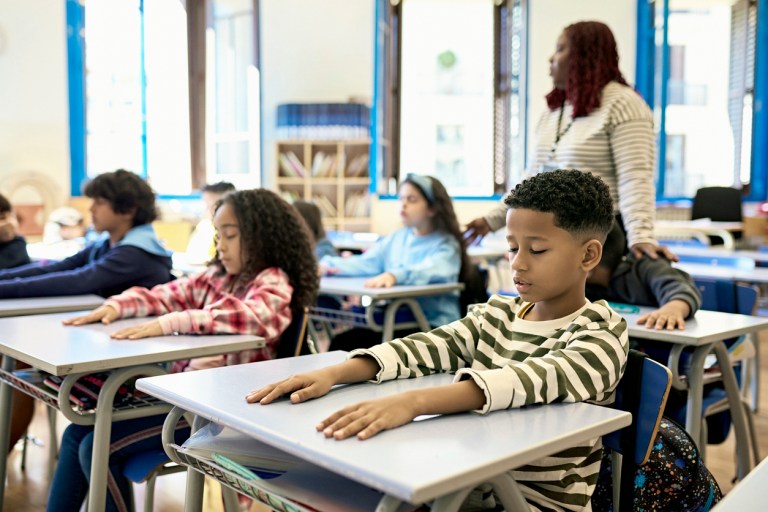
(680, 80)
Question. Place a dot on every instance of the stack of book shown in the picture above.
(357, 204)
(290, 165)
(324, 165)
(323, 121)
(357, 167)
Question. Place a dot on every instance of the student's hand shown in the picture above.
(9, 227)
(103, 314)
(670, 316)
(325, 270)
(385, 280)
(653, 252)
(145, 330)
(476, 230)
(367, 419)
(302, 387)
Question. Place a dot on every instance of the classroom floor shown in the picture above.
(27, 491)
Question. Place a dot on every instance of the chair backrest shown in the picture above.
(717, 203)
(475, 288)
(293, 338)
(645, 401)
(727, 296)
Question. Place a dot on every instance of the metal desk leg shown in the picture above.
(9, 364)
(695, 393)
(737, 411)
(388, 504)
(508, 491)
(452, 502)
(193, 500)
(389, 317)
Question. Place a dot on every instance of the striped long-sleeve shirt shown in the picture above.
(213, 302)
(517, 362)
(616, 142)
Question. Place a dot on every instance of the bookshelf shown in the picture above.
(332, 174)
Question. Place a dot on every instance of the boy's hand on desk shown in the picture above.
(670, 316)
(103, 314)
(385, 280)
(367, 419)
(146, 330)
(302, 387)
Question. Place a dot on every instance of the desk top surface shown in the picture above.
(704, 225)
(749, 494)
(43, 342)
(42, 305)
(416, 462)
(705, 327)
(333, 285)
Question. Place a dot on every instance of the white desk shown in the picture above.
(724, 230)
(706, 332)
(43, 342)
(437, 458)
(749, 494)
(717, 252)
(43, 305)
(396, 296)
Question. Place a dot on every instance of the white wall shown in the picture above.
(547, 18)
(34, 123)
(312, 51)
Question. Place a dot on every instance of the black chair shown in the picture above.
(475, 288)
(721, 204)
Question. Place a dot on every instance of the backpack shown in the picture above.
(674, 478)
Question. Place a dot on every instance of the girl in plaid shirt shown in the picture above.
(263, 273)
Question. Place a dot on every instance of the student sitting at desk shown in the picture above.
(429, 249)
(13, 247)
(129, 254)
(314, 219)
(262, 275)
(643, 282)
(201, 247)
(548, 345)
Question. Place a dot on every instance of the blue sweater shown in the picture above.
(13, 253)
(137, 260)
(413, 260)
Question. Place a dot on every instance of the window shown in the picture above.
(702, 71)
(448, 97)
(131, 86)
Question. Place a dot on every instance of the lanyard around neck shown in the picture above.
(559, 134)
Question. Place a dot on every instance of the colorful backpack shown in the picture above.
(674, 478)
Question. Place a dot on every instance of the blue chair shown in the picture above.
(148, 465)
(643, 392)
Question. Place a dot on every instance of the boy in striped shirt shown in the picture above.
(549, 344)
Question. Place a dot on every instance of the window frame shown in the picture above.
(386, 114)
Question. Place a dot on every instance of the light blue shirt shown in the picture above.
(413, 260)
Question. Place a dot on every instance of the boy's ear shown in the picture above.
(593, 252)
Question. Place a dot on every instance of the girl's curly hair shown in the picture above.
(273, 234)
(445, 220)
(593, 62)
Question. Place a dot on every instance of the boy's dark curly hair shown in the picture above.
(593, 61)
(580, 201)
(125, 191)
(5, 205)
(273, 234)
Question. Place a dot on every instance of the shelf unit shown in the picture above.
(332, 174)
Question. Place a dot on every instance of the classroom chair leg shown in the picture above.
(149, 495)
(53, 442)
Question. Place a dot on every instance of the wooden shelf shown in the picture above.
(334, 174)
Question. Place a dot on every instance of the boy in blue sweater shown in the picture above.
(129, 254)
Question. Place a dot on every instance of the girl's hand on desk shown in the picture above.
(367, 419)
(302, 387)
(103, 314)
(385, 280)
(146, 330)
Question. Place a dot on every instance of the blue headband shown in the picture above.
(424, 183)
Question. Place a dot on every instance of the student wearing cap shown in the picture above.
(65, 223)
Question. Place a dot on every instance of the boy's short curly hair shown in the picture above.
(580, 201)
(125, 191)
(5, 205)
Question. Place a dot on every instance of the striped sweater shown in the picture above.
(517, 362)
(616, 142)
(213, 302)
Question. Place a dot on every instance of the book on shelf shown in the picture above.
(325, 205)
(357, 205)
(290, 195)
(324, 165)
(290, 165)
(358, 167)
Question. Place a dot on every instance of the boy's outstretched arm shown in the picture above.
(305, 386)
(367, 419)
(670, 316)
